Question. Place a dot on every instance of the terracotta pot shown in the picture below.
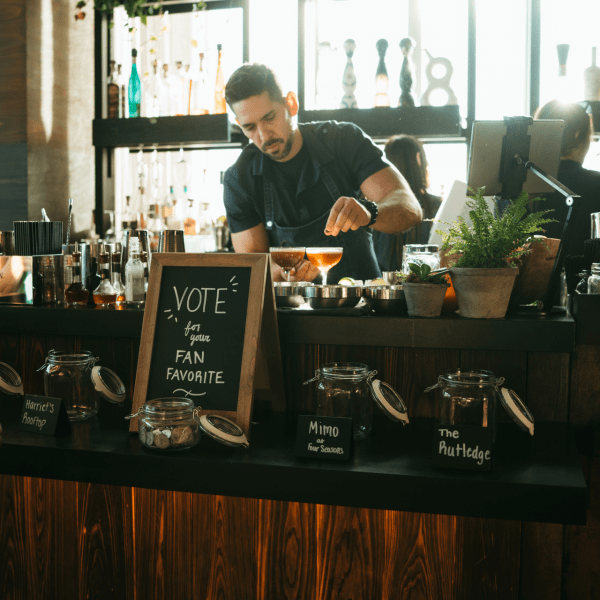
(534, 271)
(424, 299)
(483, 293)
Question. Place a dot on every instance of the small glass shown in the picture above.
(420, 254)
(168, 424)
(287, 258)
(324, 259)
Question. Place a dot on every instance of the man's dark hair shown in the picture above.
(577, 122)
(252, 80)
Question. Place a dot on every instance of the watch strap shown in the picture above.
(372, 208)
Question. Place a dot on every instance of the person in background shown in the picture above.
(575, 146)
(407, 154)
(304, 184)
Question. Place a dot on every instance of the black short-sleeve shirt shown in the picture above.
(350, 157)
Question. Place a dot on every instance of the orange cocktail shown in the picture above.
(324, 259)
(286, 258)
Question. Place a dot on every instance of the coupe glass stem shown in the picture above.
(324, 276)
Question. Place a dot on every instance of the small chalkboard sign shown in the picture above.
(324, 437)
(42, 414)
(462, 447)
(210, 334)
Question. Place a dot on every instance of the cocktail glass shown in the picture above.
(324, 259)
(287, 258)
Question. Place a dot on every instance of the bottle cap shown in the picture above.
(134, 53)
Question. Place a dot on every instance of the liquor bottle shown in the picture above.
(189, 223)
(381, 76)
(152, 92)
(155, 226)
(112, 93)
(178, 214)
(179, 84)
(92, 281)
(129, 219)
(105, 294)
(167, 214)
(200, 91)
(116, 281)
(164, 98)
(135, 88)
(188, 90)
(134, 275)
(76, 294)
(220, 105)
(144, 259)
(591, 78)
(122, 92)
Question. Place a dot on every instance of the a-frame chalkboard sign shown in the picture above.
(210, 333)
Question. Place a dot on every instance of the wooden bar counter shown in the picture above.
(94, 515)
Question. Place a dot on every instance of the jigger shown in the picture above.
(171, 240)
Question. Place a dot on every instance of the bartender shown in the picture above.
(309, 185)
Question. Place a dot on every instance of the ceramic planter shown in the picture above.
(483, 293)
(424, 299)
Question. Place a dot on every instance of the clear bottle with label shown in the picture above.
(134, 275)
(105, 294)
(76, 294)
(116, 280)
(179, 86)
(200, 102)
(164, 99)
(152, 92)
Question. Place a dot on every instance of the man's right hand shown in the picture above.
(303, 271)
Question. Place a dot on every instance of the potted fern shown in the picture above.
(424, 291)
(481, 255)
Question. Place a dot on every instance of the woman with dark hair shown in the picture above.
(407, 154)
(576, 143)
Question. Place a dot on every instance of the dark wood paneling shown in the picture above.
(287, 551)
(548, 385)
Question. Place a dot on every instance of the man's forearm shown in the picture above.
(398, 211)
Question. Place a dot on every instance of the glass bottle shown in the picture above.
(179, 84)
(122, 92)
(178, 214)
(115, 279)
(199, 91)
(105, 294)
(164, 98)
(76, 294)
(112, 93)
(381, 76)
(129, 218)
(155, 226)
(188, 84)
(135, 88)
(92, 281)
(189, 223)
(134, 275)
(594, 280)
(220, 105)
(167, 214)
(144, 259)
(151, 92)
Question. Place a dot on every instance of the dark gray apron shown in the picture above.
(358, 260)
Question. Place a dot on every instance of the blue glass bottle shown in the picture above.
(135, 88)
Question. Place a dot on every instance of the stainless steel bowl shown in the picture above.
(333, 296)
(290, 294)
(385, 299)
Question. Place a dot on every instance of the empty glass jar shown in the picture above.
(80, 384)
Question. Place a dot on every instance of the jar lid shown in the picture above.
(10, 382)
(223, 430)
(518, 412)
(108, 384)
(389, 401)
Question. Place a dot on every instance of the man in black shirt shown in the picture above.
(309, 192)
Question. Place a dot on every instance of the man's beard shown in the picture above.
(287, 147)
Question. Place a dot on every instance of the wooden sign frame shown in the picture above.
(261, 369)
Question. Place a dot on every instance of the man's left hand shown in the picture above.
(346, 214)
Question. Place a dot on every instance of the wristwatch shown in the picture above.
(372, 208)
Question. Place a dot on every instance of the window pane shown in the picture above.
(502, 59)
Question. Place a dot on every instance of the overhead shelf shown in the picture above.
(167, 132)
(386, 121)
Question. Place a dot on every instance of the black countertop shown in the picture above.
(523, 333)
(535, 478)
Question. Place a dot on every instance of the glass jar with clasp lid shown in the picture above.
(420, 254)
(469, 398)
(75, 378)
(347, 390)
(168, 424)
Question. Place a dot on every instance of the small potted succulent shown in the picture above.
(424, 291)
(482, 255)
